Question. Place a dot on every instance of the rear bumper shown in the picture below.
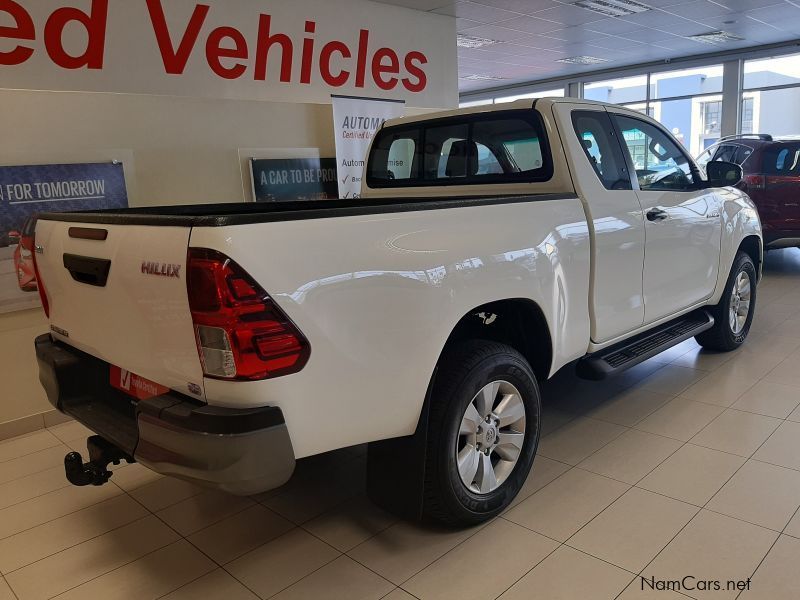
(241, 451)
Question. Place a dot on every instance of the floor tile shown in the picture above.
(629, 406)
(703, 360)
(635, 528)
(202, 510)
(778, 577)
(760, 493)
(507, 551)
(544, 471)
(52, 505)
(342, 579)
(347, 526)
(35, 462)
(282, 562)
(693, 474)
(71, 431)
(713, 547)
(736, 432)
(787, 372)
(568, 574)
(59, 534)
(27, 444)
(236, 535)
(561, 508)
(135, 476)
(5, 591)
(399, 594)
(405, 548)
(783, 446)
(751, 364)
(217, 585)
(74, 566)
(578, 439)
(770, 399)
(164, 492)
(640, 589)
(680, 419)
(671, 380)
(631, 456)
(793, 528)
(720, 388)
(31, 486)
(149, 577)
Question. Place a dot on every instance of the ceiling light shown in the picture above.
(470, 41)
(478, 77)
(582, 60)
(613, 8)
(715, 37)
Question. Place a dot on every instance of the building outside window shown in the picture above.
(771, 96)
(747, 114)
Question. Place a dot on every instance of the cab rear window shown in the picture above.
(496, 147)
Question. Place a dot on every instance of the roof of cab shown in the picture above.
(486, 108)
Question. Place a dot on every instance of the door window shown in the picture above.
(782, 159)
(659, 162)
(725, 152)
(596, 134)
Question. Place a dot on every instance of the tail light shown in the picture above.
(40, 284)
(241, 333)
(756, 182)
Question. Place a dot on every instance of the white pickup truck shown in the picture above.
(491, 247)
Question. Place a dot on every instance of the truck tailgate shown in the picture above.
(137, 317)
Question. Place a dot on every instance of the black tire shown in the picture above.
(722, 336)
(463, 372)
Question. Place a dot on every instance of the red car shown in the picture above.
(23, 255)
(771, 169)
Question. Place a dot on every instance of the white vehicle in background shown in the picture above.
(491, 247)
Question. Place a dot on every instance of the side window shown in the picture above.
(595, 132)
(725, 152)
(705, 158)
(401, 158)
(742, 154)
(660, 164)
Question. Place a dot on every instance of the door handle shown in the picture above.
(657, 214)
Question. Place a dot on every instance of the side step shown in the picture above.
(628, 353)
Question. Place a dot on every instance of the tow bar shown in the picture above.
(95, 472)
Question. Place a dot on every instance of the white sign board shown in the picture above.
(355, 121)
(298, 51)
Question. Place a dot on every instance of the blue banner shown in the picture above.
(26, 191)
(31, 189)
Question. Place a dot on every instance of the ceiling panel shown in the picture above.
(531, 35)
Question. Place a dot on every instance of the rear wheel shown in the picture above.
(734, 313)
(483, 432)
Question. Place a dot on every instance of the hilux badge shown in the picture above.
(162, 269)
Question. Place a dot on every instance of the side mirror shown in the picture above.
(721, 173)
(13, 237)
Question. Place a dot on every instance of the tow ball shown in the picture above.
(95, 472)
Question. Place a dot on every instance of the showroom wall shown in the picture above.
(183, 94)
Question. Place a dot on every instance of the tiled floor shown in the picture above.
(687, 465)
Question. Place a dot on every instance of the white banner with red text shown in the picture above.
(299, 51)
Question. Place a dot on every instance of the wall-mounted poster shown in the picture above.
(26, 191)
(275, 180)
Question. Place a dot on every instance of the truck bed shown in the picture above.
(240, 213)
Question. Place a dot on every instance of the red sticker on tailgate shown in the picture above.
(135, 385)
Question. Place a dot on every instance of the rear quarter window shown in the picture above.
(782, 159)
(496, 147)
